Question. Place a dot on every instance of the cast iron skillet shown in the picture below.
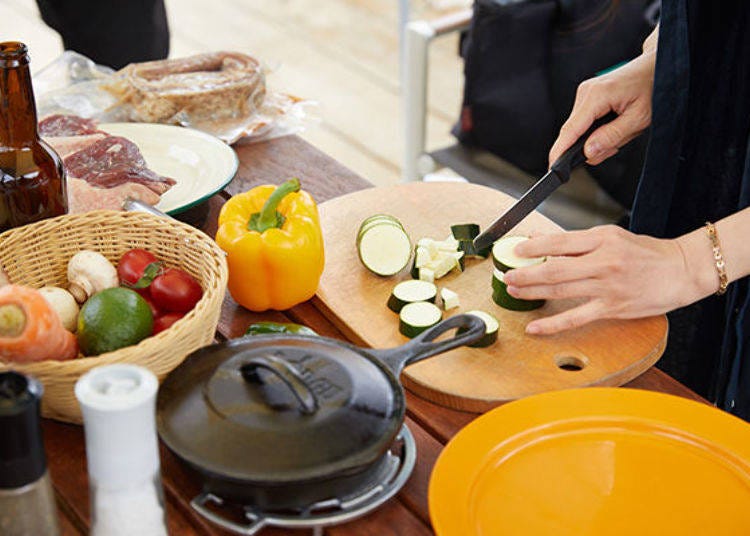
(283, 421)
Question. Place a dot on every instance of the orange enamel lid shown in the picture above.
(595, 461)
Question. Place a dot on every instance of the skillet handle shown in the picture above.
(308, 404)
(471, 328)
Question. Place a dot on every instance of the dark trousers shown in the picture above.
(111, 32)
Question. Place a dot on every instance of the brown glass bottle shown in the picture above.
(32, 179)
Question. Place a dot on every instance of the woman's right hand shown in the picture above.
(626, 91)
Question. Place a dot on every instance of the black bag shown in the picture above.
(523, 62)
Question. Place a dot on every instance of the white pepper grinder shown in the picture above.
(118, 403)
(27, 502)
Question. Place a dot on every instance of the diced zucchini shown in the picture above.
(384, 249)
(491, 326)
(449, 299)
(435, 258)
(416, 317)
(465, 231)
(421, 258)
(501, 297)
(442, 264)
(426, 274)
(449, 245)
(459, 258)
(504, 257)
(409, 292)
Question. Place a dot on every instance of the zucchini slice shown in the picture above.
(505, 259)
(416, 317)
(380, 216)
(449, 299)
(384, 249)
(501, 297)
(411, 291)
(491, 326)
(374, 223)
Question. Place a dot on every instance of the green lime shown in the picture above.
(112, 319)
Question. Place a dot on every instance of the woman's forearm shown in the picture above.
(735, 248)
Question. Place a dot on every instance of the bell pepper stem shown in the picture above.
(269, 217)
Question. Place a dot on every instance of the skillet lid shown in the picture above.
(279, 409)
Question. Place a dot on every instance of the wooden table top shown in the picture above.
(432, 426)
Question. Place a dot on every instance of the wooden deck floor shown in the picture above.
(343, 54)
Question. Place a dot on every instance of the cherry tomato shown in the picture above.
(175, 290)
(132, 264)
(165, 321)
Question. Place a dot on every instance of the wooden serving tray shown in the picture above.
(610, 352)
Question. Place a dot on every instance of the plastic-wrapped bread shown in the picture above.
(204, 87)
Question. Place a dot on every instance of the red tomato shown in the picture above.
(175, 290)
(132, 264)
(165, 321)
(146, 295)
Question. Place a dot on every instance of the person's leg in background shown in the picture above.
(112, 33)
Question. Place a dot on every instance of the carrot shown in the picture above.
(30, 330)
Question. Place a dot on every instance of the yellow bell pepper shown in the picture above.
(274, 246)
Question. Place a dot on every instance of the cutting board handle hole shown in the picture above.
(570, 362)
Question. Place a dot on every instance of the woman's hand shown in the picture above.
(622, 275)
(626, 91)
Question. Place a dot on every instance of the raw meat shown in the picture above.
(83, 197)
(67, 145)
(102, 170)
(114, 161)
(66, 125)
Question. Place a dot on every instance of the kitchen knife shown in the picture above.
(558, 174)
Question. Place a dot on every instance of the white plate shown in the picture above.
(200, 163)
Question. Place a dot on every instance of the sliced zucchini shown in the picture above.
(501, 297)
(491, 326)
(449, 299)
(370, 223)
(504, 257)
(411, 291)
(416, 317)
(384, 249)
(380, 216)
(465, 231)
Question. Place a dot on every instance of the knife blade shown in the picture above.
(558, 174)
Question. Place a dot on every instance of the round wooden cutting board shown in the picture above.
(604, 353)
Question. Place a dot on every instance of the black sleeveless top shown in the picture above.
(698, 169)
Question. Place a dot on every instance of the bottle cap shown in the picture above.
(22, 459)
(118, 403)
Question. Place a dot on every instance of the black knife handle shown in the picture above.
(574, 156)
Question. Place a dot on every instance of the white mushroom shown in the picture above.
(88, 273)
(64, 305)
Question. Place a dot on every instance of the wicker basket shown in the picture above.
(37, 254)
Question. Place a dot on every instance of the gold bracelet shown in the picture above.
(721, 266)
